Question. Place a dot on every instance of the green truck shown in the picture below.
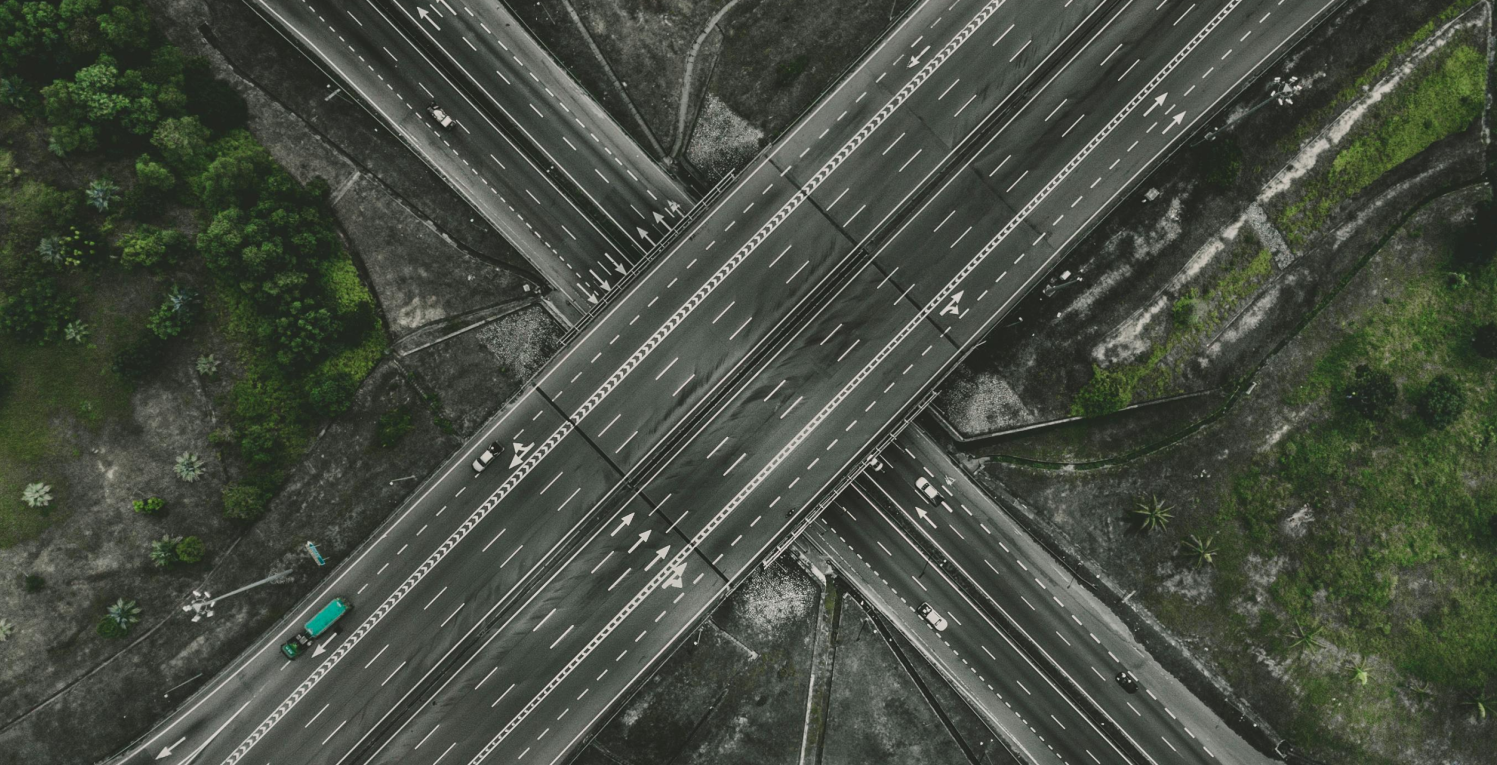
(321, 623)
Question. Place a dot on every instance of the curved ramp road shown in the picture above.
(809, 412)
(466, 548)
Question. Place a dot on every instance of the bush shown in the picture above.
(151, 247)
(37, 311)
(173, 315)
(392, 426)
(109, 628)
(191, 550)
(189, 467)
(33, 583)
(332, 392)
(1372, 393)
(1107, 392)
(1443, 402)
(1484, 341)
(244, 502)
(149, 505)
(153, 180)
(1187, 312)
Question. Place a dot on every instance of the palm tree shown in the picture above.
(1305, 635)
(189, 467)
(75, 331)
(1422, 690)
(37, 495)
(164, 550)
(1359, 671)
(1152, 514)
(124, 613)
(6, 630)
(1201, 550)
(51, 251)
(101, 193)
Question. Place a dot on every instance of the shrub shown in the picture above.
(392, 426)
(1187, 312)
(152, 179)
(33, 583)
(164, 551)
(174, 314)
(37, 311)
(151, 247)
(119, 618)
(37, 495)
(332, 392)
(149, 505)
(1443, 402)
(1372, 393)
(244, 502)
(1223, 163)
(1107, 392)
(189, 467)
(101, 194)
(191, 550)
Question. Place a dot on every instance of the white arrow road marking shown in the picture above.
(645, 235)
(915, 59)
(661, 218)
(591, 298)
(615, 263)
(951, 307)
(659, 556)
(167, 751)
(1158, 102)
(625, 521)
(644, 536)
(322, 644)
(678, 577)
(520, 451)
(204, 745)
(924, 516)
(601, 281)
(425, 14)
(1179, 118)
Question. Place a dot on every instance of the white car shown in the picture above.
(930, 616)
(495, 449)
(927, 488)
(442, 117)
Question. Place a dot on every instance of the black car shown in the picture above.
(1126, 680)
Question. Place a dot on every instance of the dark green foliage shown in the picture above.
(149, 505)
(164, 551)
(174, 314)
(1107, 392)
(332, 392)
(150, 247)
(789, 71)
(183, 143)
(191, 550)
(260, 443)
(153, 181)
(109, 628)
(244, 502)
(1443, 401)
(107, 105)
(139, 357)
(33, 583)
(1187, 312)
(392, 426)
(1371, 393)
(36, 210)
(7, 380)
(36, 311)
(1222, 163)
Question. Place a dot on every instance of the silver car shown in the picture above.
(926, 612)
(494, 450)
(441, 116)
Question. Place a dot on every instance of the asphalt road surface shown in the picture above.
(871, 532)
(466, 550)
(516, 76)
(396, 81)
(1147, 77)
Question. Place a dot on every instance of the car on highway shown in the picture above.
(482, 461)
(315, 628)
(928, 613)
(927, 488)
(876, 464)
(440, 115)
(1127, 681)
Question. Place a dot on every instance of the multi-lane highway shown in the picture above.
(467, 549)
(367, 52)
(893, 540)
(490, 48)
(1085, 135)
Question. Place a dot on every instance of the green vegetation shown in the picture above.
(1195, 319)
(1372, 393)
(1441, 97)
(179, 204)
(1152, 514)
(149, 505)
(119, 618)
